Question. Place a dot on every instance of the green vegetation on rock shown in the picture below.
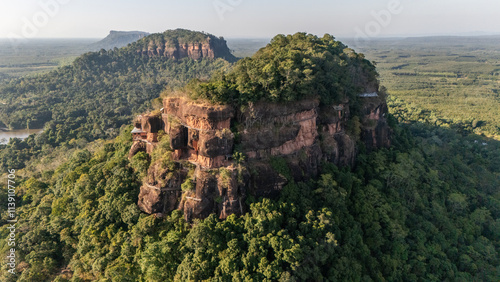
(291, 68)
(176, 36)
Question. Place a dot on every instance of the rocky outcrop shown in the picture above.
(179, 44)
(375, 130)
(136, 148)
(199, 133)
(300, 135)
(278, 129)
(337, 146)
(161, 191)
(221, 193)
(187, 50)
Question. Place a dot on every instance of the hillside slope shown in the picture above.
(426, 209)
(92, 97)
(118, 39)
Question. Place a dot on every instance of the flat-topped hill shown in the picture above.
(300, 101)
(118, 39)
(182, 43)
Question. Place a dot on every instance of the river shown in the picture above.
(5, 135)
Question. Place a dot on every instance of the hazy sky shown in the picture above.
(249, 18)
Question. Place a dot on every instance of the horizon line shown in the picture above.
(463, 35)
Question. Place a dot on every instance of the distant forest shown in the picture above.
(443, 81)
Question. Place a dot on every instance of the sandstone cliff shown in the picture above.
(180, 43)
(209, 178)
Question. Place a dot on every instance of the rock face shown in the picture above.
(204, 137)
(199, 133)
(173, 46)
(375, 132)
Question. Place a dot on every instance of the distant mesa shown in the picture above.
(172, 44)
(118, 39)
(181, 43)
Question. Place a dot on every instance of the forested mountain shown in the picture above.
(93, 97)
(118, 39)
(295, 103)
(425, 209)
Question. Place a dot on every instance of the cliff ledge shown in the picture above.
(203, 139)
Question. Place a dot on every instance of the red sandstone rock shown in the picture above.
(303, 133)
(195, 50)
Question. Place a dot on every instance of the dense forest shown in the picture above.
(426, 209)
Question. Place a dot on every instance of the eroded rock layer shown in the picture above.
(210, 178)
(211, 47)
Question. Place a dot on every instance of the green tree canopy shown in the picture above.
(291, 68)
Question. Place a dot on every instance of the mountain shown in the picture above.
(182, 43)
(118, 39)
(300, 134)
(271, 122)
(95, 95)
